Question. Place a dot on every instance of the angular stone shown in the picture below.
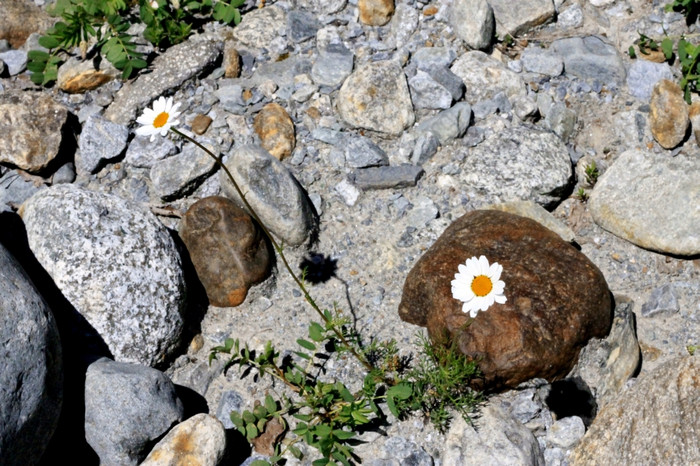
(31, 376)
(375, 12)
(175, 66)
(473, 22)
(127, 408)
(100, 141)
(20, 19)
(652, 422)
(260, 26)
(621, 198)
(116, 263)
(663, 300)
(426, 146)
(362, 152)
(200, 440)
(591, 58)
(519, 163)
(538, 60)
(539, 214)
(400, 176)
(427, 93)
(566, 432)
(430, 58)
(177, 176)
(144, 153)
(485, 76)
(376, 97)
(404, 24)
(301, 25)
(200, 123)
(232, 60)
(228, 250)
(272, 191)
(15, 61)
(643, 76)
(76, 76)
(333, 65)
(448, 124)
(276, 130)
(528, 14)
(556, 298)
(668, 115)
(31, 126)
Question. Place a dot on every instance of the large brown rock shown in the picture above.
(31, 125)
(556, 298)
(228, 250)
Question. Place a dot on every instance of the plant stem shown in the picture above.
(277, 247)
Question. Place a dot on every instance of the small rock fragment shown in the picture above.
(668, 116)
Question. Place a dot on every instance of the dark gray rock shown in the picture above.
(128, 407)
(230, 401)
(399, 176)
(427, 93)
(100, 141)
(333, 65)
(361, 152)
(31, 375)
(117, 265)
(449, 81)
(448, 124)
(663, 300)
(591, 58)
(14, 190)
(301, 25)
(272, 191)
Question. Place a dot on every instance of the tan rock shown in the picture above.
(232, 61)
(668, 116)
(200, 441)
(30, 129)
(77, 76)
(694, 115)
(200, 124)
(276, 130)
(375, 12)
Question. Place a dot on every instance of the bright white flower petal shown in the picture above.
(477, 284)
(159, 119)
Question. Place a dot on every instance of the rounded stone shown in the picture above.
(276, 130)
(556, 298)
(200, 440)
(668, 115)
(375, 12)
(228, 250)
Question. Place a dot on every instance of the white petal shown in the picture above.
(498, 287)
(464, 269)
(500, 299)
(495, 271)
(483, 265)
(145, 130)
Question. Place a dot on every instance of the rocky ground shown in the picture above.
(394, 125)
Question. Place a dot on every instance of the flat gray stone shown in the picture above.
(333, 65)
(272, 191)
(179, 175)
(127, 408)
(621, 200)
(100, 141)
(430, 58)
(399, 176)
(591, 58)
(663, 300)
(519, 163)
(144, 153)
(403, 24)
(361, 152)
(484, 77)
(376, 97)
(117, 265)
(175, 66)
(428, 93)
(31, 375)
(528, 14)
(643, 76)
(538, 60)
(448, 124)
(15, 189)
(15, 61)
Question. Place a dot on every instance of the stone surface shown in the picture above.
(519, 163)
(485, 76)
(333, 64)
(200, 440)
(621, 198)
(200, 123)
(170, 69)
(227, 249)
(556, 298)
(128, 407)
(643, 75)
(605, 365)
(538, 60)
(272, 191)
(115, 263)
(15, 61)
(448, 124)
(375, 12)
(276, 130)
(20, 19)
(144, 153)
(663, 300)
(15, 189)
(362, 152)
(495, 438)
(516, 21)
(652, 422)
(567, 432)
(539, 214)
(261, 26)
(399, 176)
(428, 93)
(76, 76)
(179, 175)
(668, 115)
(694, 116)
(301, 25)
(376, 97)
(592, 59)
(232, 60)
(473, 22)
(31, 376)
(100, 141)
(31, 126)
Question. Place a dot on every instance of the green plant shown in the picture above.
(646, 44)
(691, 349)
(107, 23)
(582, 195)
(592, 173)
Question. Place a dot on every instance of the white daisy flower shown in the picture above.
(159, 119)
(478, 285)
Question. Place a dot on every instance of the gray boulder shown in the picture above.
(128, 407)
(31, 375)
(115, 263)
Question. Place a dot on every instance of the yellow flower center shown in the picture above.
(481, 285)
(161, 120)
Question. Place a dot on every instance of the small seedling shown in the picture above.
(582, 195)
(592, 173)
(691, 349)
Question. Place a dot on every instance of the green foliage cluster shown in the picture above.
(108, 22)
(592, 173)
(329, 416)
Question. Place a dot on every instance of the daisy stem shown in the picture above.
(278, 248)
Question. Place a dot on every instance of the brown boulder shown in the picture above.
(276, 130)
(228, 250)
(556, 298)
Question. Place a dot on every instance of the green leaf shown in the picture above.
(251, 431)
(322, 430)
(631, 52)
(667, 47)
(401, 391)
(48, 42)
(38, 55)
(303, 417)
(306, 344)
(321, 462)
(343, 434)
(295, 452)
(302, 355)
(259, 463)
(301, 428)
(36, 66)
(37, 78)
(248, 417)
(391, 404)
(316, 332)
(260, 412)
(270, 404)
(359, 417)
